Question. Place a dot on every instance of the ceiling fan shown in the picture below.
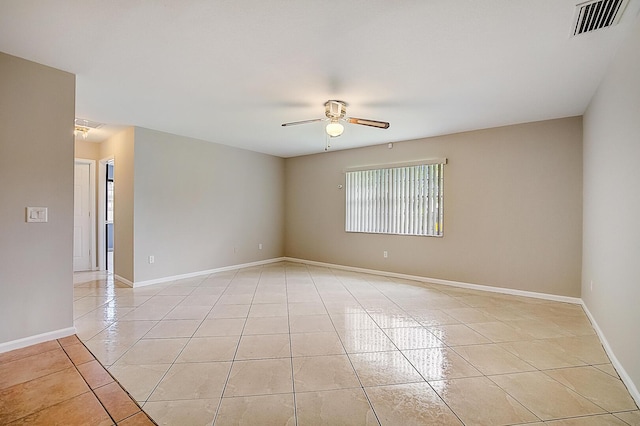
(335, 112)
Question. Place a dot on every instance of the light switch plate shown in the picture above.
(37, 214)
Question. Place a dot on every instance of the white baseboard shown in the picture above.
(512, 292)
(123, 280)
(626, 379)
(633, 390)
(137, 284)
(631, 387)
(38, 338)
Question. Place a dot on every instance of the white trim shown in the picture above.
(92, 209)
(480, 287)
(396, 165)
(631, 387)
(626, 379)
(123, 280)
(102, 207)
(509, 291)
(137, 284)
(399, 201)
(38, 338)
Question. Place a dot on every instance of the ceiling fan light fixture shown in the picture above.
(334, 129)
(335, 112)
(81, 130)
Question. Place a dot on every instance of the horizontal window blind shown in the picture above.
(396, 200)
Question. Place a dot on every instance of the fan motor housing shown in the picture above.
(335, 109)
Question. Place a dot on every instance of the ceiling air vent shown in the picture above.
(88, 123)
(593, 15)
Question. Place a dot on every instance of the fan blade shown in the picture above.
(295, 123)
(365, 122)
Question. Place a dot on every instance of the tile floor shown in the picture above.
(291, 344)
(60, 383)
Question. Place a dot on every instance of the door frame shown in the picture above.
(92, 208)
(102, 210)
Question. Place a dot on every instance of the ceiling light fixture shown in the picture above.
(335, 112)
(334, 129)
(84, 126)
(81, 130)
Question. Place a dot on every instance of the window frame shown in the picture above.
(395, 197)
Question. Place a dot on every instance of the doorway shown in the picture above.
(109, 216)
(83, 215)
(106, 227)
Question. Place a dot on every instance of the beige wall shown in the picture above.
(512, 209)
(195, 201)
(121, 148)
(37, 106)
(612, 207)
(86, 150)
(193, 205)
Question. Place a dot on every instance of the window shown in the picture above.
(405, 200)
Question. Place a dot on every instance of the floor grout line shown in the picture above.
(92, 390)
(385, 294)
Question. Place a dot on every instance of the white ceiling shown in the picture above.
(232, 71)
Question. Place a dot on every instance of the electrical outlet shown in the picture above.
(591, 285)
(235, 249)
(385, 254)
(152, 259)
(260, 246)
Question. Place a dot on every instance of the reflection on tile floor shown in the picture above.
(291, 344)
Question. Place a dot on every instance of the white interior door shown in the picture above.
(82, 218)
